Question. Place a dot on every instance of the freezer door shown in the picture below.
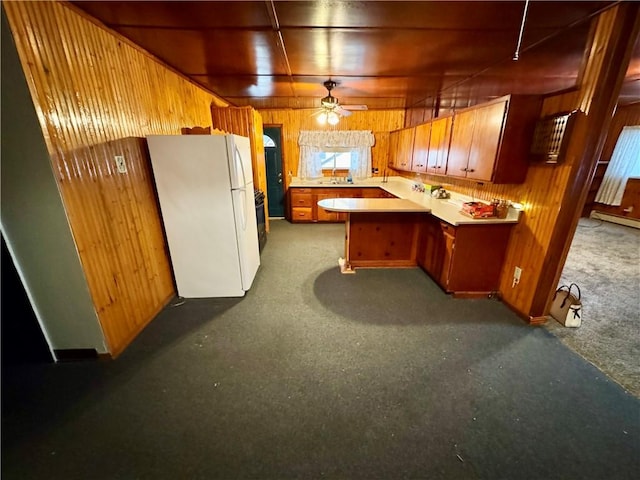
(246, 233)
(239, 155)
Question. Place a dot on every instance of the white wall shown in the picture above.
(34, 222)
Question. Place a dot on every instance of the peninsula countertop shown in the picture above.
(408, 200)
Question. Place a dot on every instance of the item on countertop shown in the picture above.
(478, 210)
(440, 193)
(566, 308)
(431, 188)
(501, 207)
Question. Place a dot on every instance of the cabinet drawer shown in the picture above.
(301, 214)
(301, 200)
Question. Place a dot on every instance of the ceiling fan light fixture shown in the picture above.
(329, 101)
(322, 118)
(332, 118)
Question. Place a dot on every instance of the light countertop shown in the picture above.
(370, 205)
(408, 200)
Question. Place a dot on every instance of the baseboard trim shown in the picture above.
(538, 320)
(629, 222)
(533, 321)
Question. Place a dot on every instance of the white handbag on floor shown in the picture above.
(566, 308)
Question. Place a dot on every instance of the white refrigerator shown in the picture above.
(205, 190)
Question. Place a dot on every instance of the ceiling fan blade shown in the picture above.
(341, 111)
(355, 107)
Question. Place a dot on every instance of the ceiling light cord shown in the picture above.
(516, 55)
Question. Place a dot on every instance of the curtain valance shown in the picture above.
(336, 138)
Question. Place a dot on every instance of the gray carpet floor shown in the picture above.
(314, 374)
(604, 261)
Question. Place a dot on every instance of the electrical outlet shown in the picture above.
(120, 164)
(517, 272)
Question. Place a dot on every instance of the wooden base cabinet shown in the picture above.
(304, 201)
(302, 204)
(464, 260)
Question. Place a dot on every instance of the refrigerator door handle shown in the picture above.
(242, 194)
(239, 162)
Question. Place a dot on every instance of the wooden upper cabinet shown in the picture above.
(405, 149)
(490, 142)
(420, 152)
(393, 148)
(438, 145)
(461, 140)
(487, 132)
(401, 148)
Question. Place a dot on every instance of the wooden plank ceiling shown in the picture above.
(383, 54)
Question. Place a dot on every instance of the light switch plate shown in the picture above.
(120, 164)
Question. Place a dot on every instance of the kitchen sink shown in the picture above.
(334, 182)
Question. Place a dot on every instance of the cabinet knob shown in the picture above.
(470, 170)
(464, 169)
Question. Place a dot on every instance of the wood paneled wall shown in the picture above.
(92, 91)
(380, 122)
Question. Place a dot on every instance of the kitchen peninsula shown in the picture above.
(463, 255)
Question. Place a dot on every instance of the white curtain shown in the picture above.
(625, 163)
(309, 166)
(314, 141)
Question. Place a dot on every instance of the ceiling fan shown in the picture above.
(331, 110)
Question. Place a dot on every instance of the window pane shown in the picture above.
(339, 160)
(268, 141)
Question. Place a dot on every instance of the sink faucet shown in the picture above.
(333, 176)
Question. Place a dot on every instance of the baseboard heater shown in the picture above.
(629, 222)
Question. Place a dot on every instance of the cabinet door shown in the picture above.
(487, 132)
(393, 148)
(326, 215)
(448, 242)
(461, 141)
(405, 149)
(438, 146)
(421, 148)
(431, 247)
(478, 256)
